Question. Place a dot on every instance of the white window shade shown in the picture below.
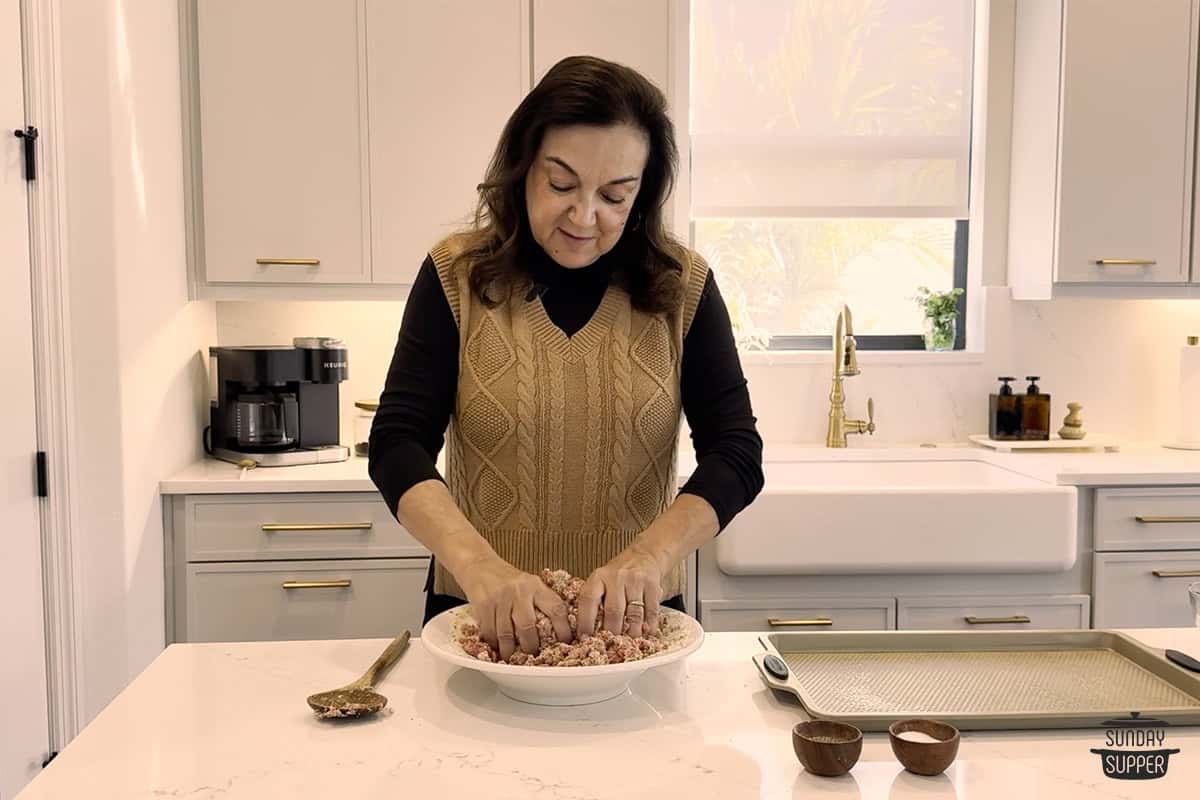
(831, 108)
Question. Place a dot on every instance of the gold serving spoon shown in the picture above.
(359, 699)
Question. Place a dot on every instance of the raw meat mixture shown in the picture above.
(602, 647)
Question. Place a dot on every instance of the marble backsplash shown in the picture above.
(1119, 358)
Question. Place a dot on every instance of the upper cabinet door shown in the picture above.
(635, 33)
(282, 140)
(443, 78)
(1125, 155)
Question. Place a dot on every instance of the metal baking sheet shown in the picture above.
(981, 680)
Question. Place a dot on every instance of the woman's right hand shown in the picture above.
(503, 600)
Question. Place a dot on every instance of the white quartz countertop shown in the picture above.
(1135, 464)
(212, 476)
(229, 721)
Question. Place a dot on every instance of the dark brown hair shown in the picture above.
(579, 90)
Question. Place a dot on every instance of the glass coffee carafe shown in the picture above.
(266, 420)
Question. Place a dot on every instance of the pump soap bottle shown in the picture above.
(1035, 412)
(1004, 413)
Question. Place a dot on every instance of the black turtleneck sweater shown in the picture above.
(418, 397)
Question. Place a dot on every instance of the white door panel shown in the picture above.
(23, 725)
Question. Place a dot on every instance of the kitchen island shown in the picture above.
(229, 721)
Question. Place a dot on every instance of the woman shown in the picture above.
(559, 337)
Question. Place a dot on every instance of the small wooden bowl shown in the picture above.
(828, 749)
(924, 758)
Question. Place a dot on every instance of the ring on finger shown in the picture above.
(637, 603)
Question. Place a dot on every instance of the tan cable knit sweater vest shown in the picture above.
(561, 450)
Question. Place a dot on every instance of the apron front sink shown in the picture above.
(866, 516)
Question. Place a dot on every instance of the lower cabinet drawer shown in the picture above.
(995, 612)
(1151, 518)
(800, 614)
(1144, 590)
(305, 526)
(277, 601)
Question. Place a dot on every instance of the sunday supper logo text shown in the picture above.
(1135, 748)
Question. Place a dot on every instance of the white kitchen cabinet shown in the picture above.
(276, 527)
(1152, 518)
(329, 145)
(993, 612)
(442, 79)
(1147, 551)
(1144, 590)
(1103, 143)
(800, 613)
(282, 142)
(324, 565)
(290, 600)
(635, 33)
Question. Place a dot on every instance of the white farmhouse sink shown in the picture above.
(844, 516)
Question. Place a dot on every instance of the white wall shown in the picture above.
(136, 342)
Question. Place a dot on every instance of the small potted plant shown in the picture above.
(941, 317)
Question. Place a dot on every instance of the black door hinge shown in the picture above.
(43, 485)
(29, 136)
(49, 758)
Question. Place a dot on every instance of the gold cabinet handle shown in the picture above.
(1150, 520)
(1176, 573)
(1014, 619)
(1125, 262)
(343, 584)
(815, 622)
(273, 527)
(288, 262)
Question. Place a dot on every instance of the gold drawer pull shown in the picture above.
(816, 622)
(288, 262)
(1152, 520)
(272, 527)
(1125, 262)
(343, 584)
(1176, 573)
(1014, 619)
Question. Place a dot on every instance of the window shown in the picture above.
(830, 162)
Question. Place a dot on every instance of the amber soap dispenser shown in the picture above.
(1004, 413)
(1035, 412)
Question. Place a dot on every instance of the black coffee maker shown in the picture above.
(277, 406)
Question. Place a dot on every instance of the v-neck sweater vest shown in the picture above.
(562, 450)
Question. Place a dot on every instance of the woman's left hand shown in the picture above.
(629, 588)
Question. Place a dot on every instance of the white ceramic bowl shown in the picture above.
(556, 686)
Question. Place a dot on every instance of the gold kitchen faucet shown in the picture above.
(845, 365)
